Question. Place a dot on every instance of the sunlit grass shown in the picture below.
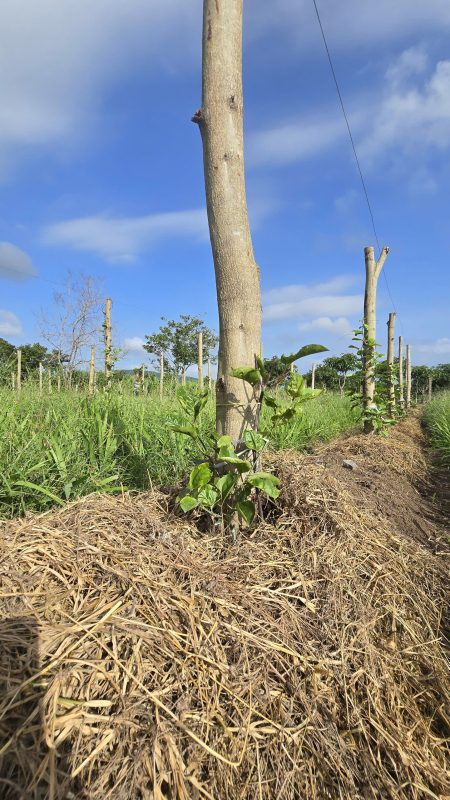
(56, 447)
(437, 419)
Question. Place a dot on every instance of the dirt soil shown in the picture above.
(143, 660)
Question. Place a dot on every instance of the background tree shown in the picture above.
(32, 356)
(75, 325)
(178, 340)
(342, 365)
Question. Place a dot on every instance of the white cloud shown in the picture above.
(60, 57)
(134, 344)
(9, 324)
(15, 264)
(440, 347)
(123, 239)
(338, 327)
(314, 301)
(351, 25)
(410, 115)
(295, 141)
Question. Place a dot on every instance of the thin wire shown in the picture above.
(358, 164)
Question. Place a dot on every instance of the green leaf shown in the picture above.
(188, 430)
(249, 374)
(265, 481)
(41, 489)
(307, 350)
(295, 387)
(254, 441)
(239, 463)
(246, 509)
(187, 503)
(208, 497)
(226, 484)
(271, 401)
(201, 403)
(225, 445)
(200, 476)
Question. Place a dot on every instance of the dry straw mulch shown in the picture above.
(140, 660)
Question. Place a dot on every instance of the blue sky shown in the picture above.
(101, 169)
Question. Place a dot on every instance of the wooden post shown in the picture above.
(408, 376)
(200, 360)
(209, 375)
(41, 371)
(373, 270)
(13, 381)
(92, 372)
(183, 378)
(430, 386)
(401, 399)
(313, 377)
(143, 378)
(108, 343)
(390, 365)
(19, 371)
(161, 376)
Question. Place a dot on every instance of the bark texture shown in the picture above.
(200, 360)
(408, 376)
(373, 270)
(92, 371)
(108, 343)
(220, 120)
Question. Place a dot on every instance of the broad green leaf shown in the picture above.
(201, 403)
(246, 509)
(265, 481)
(226, 447)
(270, 401)
(295, 387)
(187, 503)
(307, 350)
(239, 463)
(200, 476)
(249, 374)
(254, 441)
(226, 484)
(208, 496)
(188, 430)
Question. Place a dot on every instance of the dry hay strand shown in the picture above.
(306, 662)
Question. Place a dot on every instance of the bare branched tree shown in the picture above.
(75, 324)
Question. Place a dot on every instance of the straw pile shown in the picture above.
(142, 661)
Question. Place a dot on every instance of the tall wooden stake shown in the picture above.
(13, 381)
(161, 376)
(143, 379)
(390, 365)
(430, 386)
(108, 343)
(401, 398)
(209, 375)
(19, 371)
(408, 376)
(183, 378)
(373, 270)
(92, 372)
(41, 371)
(313, 377)
(200, 360)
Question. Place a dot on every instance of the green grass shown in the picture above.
(436, 415)
(61, 446)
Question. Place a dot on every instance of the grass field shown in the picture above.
(437, 419)
(61, 446)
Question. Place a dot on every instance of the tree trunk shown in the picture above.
(237, 276)
(430, 386)
(390, 365)
(401, 398)
(408, 376)
(373, 270)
